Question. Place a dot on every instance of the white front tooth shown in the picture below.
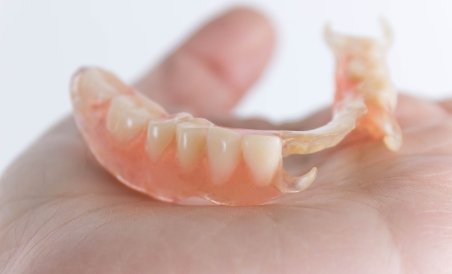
(262, 154)
(191, 139)
(223, 151)
(160, 134)
(124, 120)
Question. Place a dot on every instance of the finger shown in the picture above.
(213, 69)
(415, 111)
(446, 104)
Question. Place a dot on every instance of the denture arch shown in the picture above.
(180, 158)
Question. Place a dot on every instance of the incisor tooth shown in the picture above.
(191, 139)
(124, 119)
(262, 154)
(160, 134)
(223, 151)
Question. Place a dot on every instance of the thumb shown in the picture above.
(214, 68)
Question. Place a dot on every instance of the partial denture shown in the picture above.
(180, 158)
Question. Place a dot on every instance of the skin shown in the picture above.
(370, 210)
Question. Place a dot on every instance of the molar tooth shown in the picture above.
(262, 154)
(124, 119)
(96, 86)
(223, 150)
(191, 139)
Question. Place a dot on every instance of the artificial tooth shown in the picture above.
(95, 86)
(223, 151)
(159, 136)
(124, 120)
(185, 116)
(161, 133)
(262, 154)
(357, 69)
(191, 139)
(201, 122)
(154, 109)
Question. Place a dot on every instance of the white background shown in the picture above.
(43, 42)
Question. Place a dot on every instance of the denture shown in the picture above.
(179, 158)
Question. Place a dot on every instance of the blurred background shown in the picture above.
(43, 42)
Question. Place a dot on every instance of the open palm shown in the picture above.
(370, 210)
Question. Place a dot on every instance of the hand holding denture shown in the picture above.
(375, 206)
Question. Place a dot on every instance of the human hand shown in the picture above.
(369, 211)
